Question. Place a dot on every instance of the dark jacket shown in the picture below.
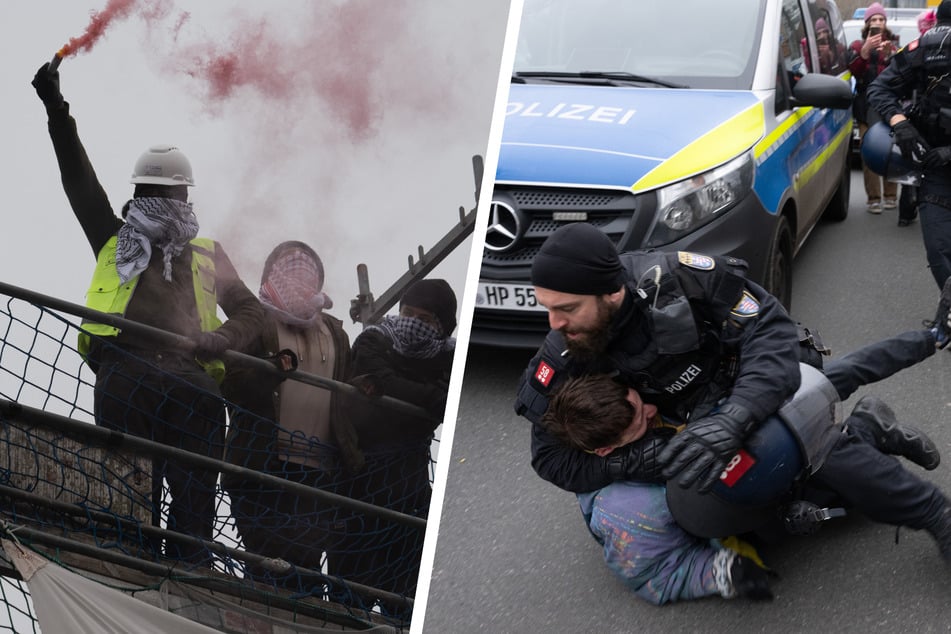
(711, 334)
(421, 382)
(166, 305)
(921, 70)
(252, 436)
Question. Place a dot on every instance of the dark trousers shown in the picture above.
(908, 203)
(855, 472)
(934, 209)
(178, 405)
(389, 553)
(276, 522)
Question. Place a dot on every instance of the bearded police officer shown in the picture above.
(922, 71)
(713, 350)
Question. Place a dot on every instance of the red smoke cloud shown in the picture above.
(341, 47)
(98, 23)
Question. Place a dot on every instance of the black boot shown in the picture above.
(874, 416)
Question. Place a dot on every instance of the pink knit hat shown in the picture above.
(926, 20)
(874, 9)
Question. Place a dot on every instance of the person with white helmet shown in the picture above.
(153, 268)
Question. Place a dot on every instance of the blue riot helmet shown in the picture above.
(761, 479)
(883, 157)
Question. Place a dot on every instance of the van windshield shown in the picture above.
(690, 43)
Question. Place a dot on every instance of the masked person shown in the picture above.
(665, 562)
(408, 357)
(153, 268)
(291, 429)
(709, 349)
(920, 72)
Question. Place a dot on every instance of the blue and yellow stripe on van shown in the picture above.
(646, 138)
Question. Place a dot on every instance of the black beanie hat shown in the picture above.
(943, 14)
(437, 297)
(578, 259)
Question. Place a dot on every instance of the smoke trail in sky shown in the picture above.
(98, 23)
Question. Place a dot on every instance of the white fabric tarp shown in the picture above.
(65, 602)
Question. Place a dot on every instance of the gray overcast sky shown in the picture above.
(349, 125)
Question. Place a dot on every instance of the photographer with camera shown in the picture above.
(869, 56)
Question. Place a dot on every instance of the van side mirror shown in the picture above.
(821, 91)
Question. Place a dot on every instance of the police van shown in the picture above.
(718, 128)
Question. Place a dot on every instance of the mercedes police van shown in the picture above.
(712, 127)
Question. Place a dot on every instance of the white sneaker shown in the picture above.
(891, 203)
(875, 207)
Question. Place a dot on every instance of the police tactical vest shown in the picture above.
(107, 294)
(681, 366)
(934, 117)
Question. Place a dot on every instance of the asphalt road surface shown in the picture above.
(513, 554)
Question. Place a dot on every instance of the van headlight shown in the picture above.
(688, 205)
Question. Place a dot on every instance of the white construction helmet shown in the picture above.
(162, 165)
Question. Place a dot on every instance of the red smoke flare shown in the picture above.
(98, 23)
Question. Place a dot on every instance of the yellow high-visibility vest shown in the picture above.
(108, 295)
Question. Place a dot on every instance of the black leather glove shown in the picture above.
(937, 157)
(912, 145)
(638, 461)
(750, 580)
(702, 450)
(46, 83)
(210, 345)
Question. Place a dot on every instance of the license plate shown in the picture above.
(507, 297)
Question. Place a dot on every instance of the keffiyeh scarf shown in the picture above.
(165, 223)
(291, 290)
(413, 337)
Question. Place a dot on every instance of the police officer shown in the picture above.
(709, 348)
(923, 70)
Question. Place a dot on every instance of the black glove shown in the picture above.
(750, 580)
(638, 461)
(46, 83)
(937, 157)
(210, 345)
(912, 145)
(285, 360)
(702, 450)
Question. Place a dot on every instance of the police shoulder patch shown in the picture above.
(696, 261)
(746, 307)
(544, 374)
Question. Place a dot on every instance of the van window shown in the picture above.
(694, 44)
(831, 47)
(792, 34)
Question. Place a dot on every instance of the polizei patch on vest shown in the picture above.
(746, 307)
(696, 261)
(544, 373)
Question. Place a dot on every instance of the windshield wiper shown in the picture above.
(610, 76)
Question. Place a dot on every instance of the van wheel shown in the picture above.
(779, 272)
(838, 208)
